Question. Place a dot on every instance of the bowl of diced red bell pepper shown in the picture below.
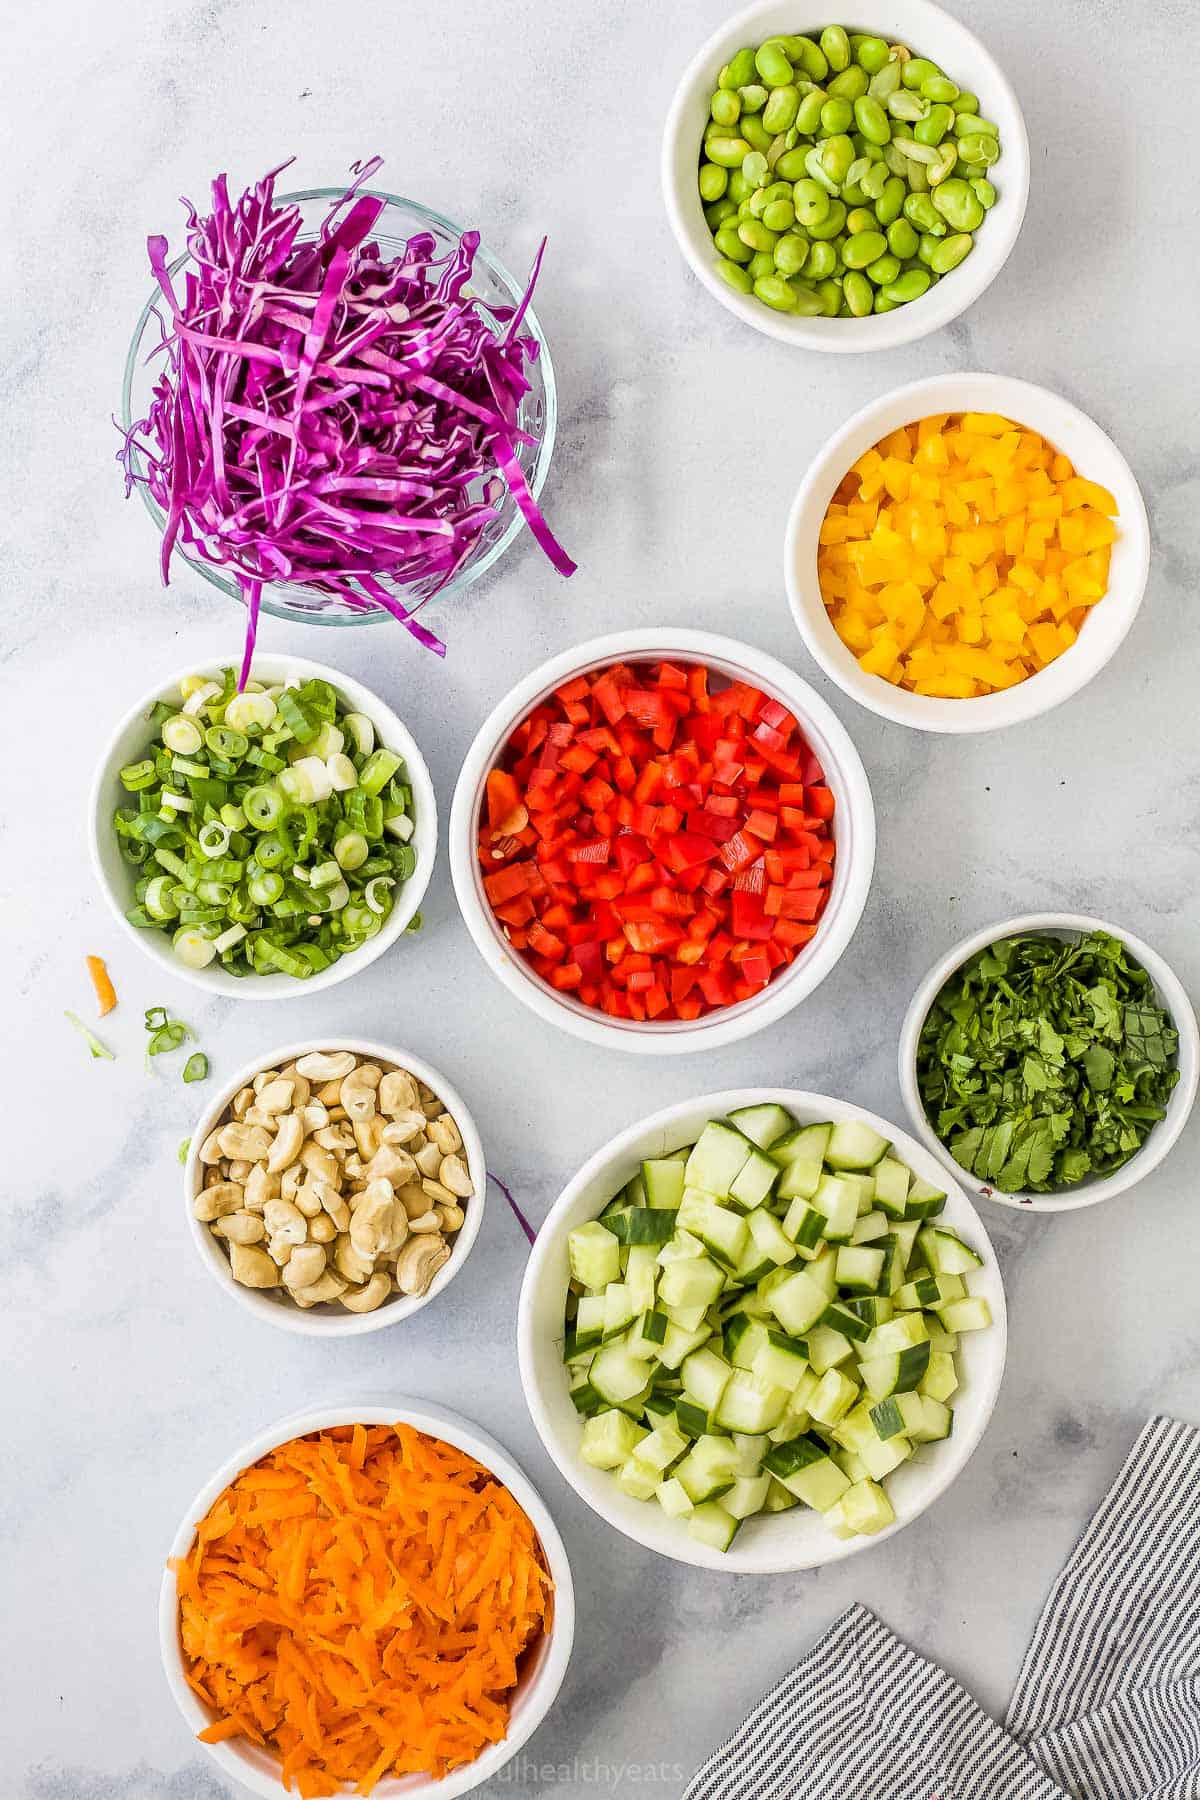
(662, 840)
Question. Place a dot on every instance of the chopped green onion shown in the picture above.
(138, 775)
(372, 893)
(415, 923)
(168, 1038)
(156, 1018)
(213, 838)
(182, 735)
(196, 1067)
(377, 771)
(351, 850)
(89, 1037)
(295, 718)
(184, 1147)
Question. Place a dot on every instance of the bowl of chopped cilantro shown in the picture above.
(1050, 1061)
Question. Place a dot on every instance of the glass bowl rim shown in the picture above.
(273, 602)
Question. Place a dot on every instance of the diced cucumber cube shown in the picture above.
(754, 1180)
(856, 1429)
(899, 1333)
(609, 1439)
(781, 1360)
(681, 1246)
(594, 1255)
(694, 1281)
(786, 1459)
(751, 1447)
(891, 1180)
(704, 1377)
(721, 1231)
(837, 1200)
(798, 1302)
(940, 1379)
(823, 1270)
(618, 1309)
(881, 1457)
(634, 1191)
(717, 1158)
(946, 1253)
(870, 1226)
(834, 1397)
(769, 1238)
(841, 1318)
(617, 1375)
(691, 1420)
(746, 1403)
(929, 1291)
(854, 1145)
(712, 1525)
(646, 1338)
(821, 1485)
(867, 1509)
(636, 1480)
(971, 1314)
(663, 1182)
(589, 1323)
(679, 1343)
(937, 1423)
(641, 1276)
(895, 1373)
(747, 1495)
(672, 1497)
(904, 1233)
(827, 1348)
(708, 1470)
(859, 1269)
(778, 1499)
(901, 1415)
(804, 1227)
(764, 1125)
(924, 1200)
(852, 1466)
(801, 1155)
(742, 1340)
(641, 1225)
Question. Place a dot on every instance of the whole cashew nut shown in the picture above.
(453, 1175)
(398, 1092)
(326, 1065)
(283, 1151)
(285, 1222)
(217, 1202)
(240, 1228)
(320, 1293)
(358, 1091)
(419, 1262)
(366, 1299)
(252, 1267)
(304, 1266)
(250, 1141)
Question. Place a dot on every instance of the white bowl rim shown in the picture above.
(1071, 671)
(397, 1308)
(1172, 995)
(947, 299)
(679, 1546)
(796, 982)
(390, 730)
(452, 1428)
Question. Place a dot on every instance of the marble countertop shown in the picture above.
(682, 440)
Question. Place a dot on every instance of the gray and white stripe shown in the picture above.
(1107, 1705)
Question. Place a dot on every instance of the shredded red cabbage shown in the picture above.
(329, 417)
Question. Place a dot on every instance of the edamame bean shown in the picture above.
(909, 286)
(835, 47)
(772, 64)
(906, 106)
(808, 302)
(867, 247)
(926, 248)
(808, 56)
(755, 132)
(790, 166)
(871, 53)
(713, 181)
(940, 90)
(875, 180)
(808, 119)
(858, 292)
(817, 173)
(862, 165)
(728, 152)
(917, 70)
(976, 125)
(731, 245)
(725, 107)
(852, 194)
(950, 252)
(757, 235)
(761, 263)
(821, 261)
(837, 116)
(836, 155)
(891, 201)
(860, 218)
(776, 293)
(967, 103)
(791, 253)
(779, 114)
(902, 239)
(983, 191)
(831, 225)
(753, 97)
(761, 198)
(738, 70)
(871, 120)
(957, 205)
(739, 188)
(883, 85)
(920, 211)
(830, 295)
(937, 172)
(811, 202)
(934, 126)
(886, 269)
(737, 277)
(850, 85)
(755, 169)
(882, 304)
(780, 215)
(979, 150)
(718, 212)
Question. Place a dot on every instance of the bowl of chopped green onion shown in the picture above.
(268, 842)
(1050, 1061)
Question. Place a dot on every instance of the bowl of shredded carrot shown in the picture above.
(366, 1600)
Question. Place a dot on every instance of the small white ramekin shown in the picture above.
(1095, 457)
(780, 1542)
(1171, 994)
(927, 31)
(118, 879)
(854, 826)
(542, 1668)
(334, 1321)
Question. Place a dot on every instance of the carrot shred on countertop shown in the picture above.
(358, 1601)
(106, 993)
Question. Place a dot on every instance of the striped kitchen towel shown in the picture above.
(1107, 1705)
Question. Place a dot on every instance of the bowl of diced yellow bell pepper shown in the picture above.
(966, 553)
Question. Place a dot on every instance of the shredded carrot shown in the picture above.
(358, 1601)
(106, 993)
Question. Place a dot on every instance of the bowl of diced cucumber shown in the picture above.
(760, 1330)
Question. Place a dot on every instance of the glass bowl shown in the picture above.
(537, 414)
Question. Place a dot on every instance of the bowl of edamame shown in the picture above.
(845, 187)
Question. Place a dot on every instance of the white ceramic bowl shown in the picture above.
(782, 1541)
(1171, 994)
(542, 1668)
(117, 878)
(927, 31)
(854, 825)
(1094, 455)
(335, 1321)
